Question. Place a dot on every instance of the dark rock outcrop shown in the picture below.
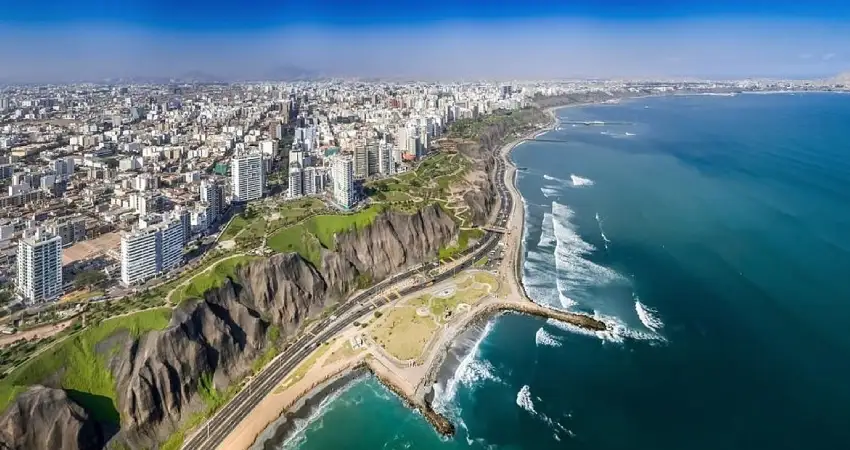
(46, 418)
(396, 240)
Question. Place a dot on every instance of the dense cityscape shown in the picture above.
(124, 201)
(122, 180)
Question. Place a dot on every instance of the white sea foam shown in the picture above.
(648, 316)
(616, 331)
(580, 181)
(543, 337)
(630, 134)
(470, 371)
(550, 191)
(550, 178)
(602, 232)
(523, 399)
(574, 269)
(297, 437)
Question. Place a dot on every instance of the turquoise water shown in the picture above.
(711, 234)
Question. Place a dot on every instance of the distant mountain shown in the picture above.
(197, 76)
(842, 78)
(291, 73)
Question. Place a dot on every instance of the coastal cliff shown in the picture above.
(43, 418)
(160, 376)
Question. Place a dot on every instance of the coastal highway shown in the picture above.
(214, 431)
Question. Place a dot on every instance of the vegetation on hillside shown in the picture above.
(79, 365)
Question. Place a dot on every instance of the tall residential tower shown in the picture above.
(39, 267)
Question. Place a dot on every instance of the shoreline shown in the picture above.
(419, 397)
(418, 394)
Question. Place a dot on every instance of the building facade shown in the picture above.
(213, 195)
(248, 177)
(343, 181)
(152, 249)
(39, 276)
(361, 162)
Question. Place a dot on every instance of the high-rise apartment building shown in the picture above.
(296, 182)
(361, 162)
(39, 276)
(213, 195)
(371, 158)
(248, 177)
(386, 165)
(343, 181)
(152, 249)
(314, 180)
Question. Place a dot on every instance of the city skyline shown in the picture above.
(91, 40)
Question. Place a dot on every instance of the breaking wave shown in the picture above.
(523, 400)
(574, 269)
(580, 181)
(470, 371)
(551, 178)
(616, 331)
(648, 316)
(543, 337)
(605, 239)
(298, 436)
(550, 191)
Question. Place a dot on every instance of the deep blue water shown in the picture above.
(711, 233)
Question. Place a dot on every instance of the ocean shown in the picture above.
(711, 233)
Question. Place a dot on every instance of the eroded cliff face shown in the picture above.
(158, 376)
(482, 199)
(396, 240)
(43, 418)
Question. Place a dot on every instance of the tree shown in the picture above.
(5, 297)
(89, 279)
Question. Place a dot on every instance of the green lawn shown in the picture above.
(210, 279)
(325, 227)
(236, 225)
(463, 238)
(83, 372)
(309, 237)
(297, 239)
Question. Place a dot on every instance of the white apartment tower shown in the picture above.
(343, 179)
(361, 162)
(152, 249)
(213, 195)
(138, 255)
(296, 182)
(385, 159)
(39, 267)
(248, 177)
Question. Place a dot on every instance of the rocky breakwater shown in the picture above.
(161, 376)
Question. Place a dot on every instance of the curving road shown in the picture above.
(215, 430)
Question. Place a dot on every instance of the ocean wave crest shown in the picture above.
(578, 181)
(648, 316)
(523, 400)
(550, 191)
(543, 337)
(470, 371)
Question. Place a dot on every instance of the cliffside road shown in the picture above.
(214, 431)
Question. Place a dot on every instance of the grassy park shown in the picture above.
(82, 366)
(405, 329)
(210, 277)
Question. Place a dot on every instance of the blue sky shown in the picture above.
(71, 39)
